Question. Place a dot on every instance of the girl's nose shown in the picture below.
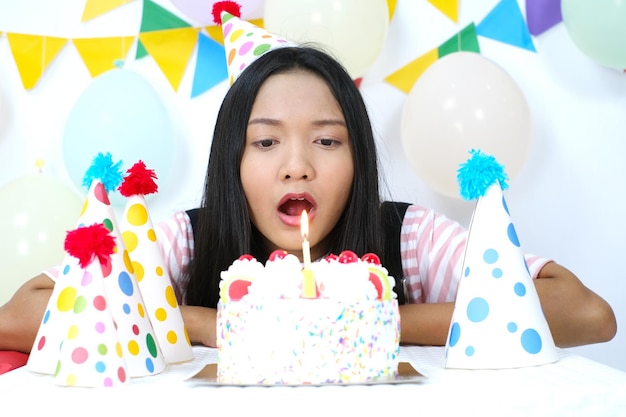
(297, 164)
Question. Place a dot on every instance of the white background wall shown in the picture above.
(567, 202)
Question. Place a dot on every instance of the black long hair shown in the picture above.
(224, 229)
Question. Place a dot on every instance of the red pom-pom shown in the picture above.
(89, 242)
(138, 181)
(225, 6)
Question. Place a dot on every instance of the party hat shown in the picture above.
(149, 265)
(243, 41)
(497, 321)
(91, 354)
(134, 329)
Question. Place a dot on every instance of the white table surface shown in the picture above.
(573, 386)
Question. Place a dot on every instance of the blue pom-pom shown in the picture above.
(479, 173)
(104, 170)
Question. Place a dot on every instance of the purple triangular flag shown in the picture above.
(541, 15)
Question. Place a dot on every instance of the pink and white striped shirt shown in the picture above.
(431, 245)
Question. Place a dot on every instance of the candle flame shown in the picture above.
(304, 225)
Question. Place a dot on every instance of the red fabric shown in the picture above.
(10, 360)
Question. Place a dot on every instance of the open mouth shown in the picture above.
(294, 206)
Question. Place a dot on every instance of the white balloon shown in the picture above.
(462, 102)
(353, 31)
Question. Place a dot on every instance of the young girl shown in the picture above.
(293, 134)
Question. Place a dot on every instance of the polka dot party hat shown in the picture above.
(91, 354)
(497, 321)
(134, 329)
(149, 265)
(243, 41)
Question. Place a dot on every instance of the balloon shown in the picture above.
(35, 214)
(598, 29)
(353, 31)
(119, 113)
(202, 10)
(462, 102)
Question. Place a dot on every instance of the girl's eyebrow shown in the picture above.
(275, 122)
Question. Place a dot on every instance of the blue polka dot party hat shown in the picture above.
(497, 321)
(244, 42)
(137, 338)
(149, 265)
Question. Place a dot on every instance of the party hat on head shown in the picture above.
(497, 321)
(134, 329)
(243, 41)
(91, 353)
(149, 265)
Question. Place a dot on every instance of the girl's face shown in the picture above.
(297, 156)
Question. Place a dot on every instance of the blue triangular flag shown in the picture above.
(505, 23)
(210, 65)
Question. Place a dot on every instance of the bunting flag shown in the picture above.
(450, 8)
(171, 50)
(33, 54)
(542, 15)
(210, 65)
(391, 5)
(505, 23)
(156, 18)
(103, 54)
(405, 77)
(95, 8)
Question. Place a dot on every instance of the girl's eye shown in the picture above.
(328, 142)
(265, 143)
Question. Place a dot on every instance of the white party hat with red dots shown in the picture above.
(244, 42)
(149, 265)
(91, 354)
(498, 321)
(135, 332)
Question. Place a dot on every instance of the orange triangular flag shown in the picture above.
(103, 54)
(448, 7)
(33, 54)
(405, 77)
(171, 50)
(95, 8)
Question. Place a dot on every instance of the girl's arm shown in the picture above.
(21, 316)
(200, 323)
(576, 315)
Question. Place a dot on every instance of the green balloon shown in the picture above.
(598, 29)
(36, 211)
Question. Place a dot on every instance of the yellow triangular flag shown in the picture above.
(101, 54)
(33, 54)
(391, 5)
(405, 77)
(448, 7)
(171, 50)
(95, 8)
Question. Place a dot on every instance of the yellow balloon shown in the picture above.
(461, 102)
(353, 31)
(36, 211)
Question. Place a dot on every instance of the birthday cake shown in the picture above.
(269, 332)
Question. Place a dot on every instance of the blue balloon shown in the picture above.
(119, 113)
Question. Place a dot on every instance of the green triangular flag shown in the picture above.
(465, 40)
(155, 17)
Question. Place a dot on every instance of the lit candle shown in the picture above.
(308, 280)
(304, 231)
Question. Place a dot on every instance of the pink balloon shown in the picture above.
(201, 10)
